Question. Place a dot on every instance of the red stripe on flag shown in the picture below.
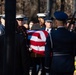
(37, 43)
(37, 34)
(45, 32)
(39, 52)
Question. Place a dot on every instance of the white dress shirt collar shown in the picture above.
(48, 30)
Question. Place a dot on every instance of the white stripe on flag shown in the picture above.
(42, 35)
(38, 48)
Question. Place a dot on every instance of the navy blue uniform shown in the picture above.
(2, 30)
(48, 29)
(62, 61)
(1, 53)
(22, 54)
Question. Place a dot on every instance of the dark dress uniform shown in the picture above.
(1, 53)
(2, 30)
(49, 20)
(2, 35)
(62, 60)
(21, 54)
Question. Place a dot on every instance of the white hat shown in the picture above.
(41, 14)
(2, 16)
(20, 16)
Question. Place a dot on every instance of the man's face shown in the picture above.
(3, 21)
(20, 22)
(48, 24)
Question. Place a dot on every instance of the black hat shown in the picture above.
(60, 15)
(48, 19)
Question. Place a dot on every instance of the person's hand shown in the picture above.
(46, 73)
(30, 49)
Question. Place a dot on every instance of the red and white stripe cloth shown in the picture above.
(38, 41)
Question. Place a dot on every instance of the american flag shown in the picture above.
(37, 41)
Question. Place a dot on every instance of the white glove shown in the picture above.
(30, 49)
(47, 74)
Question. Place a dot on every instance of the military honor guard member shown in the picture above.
(48, 25)
(61, 43)
(48, 28)
(22, 62)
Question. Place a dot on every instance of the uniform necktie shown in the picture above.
(48, 30)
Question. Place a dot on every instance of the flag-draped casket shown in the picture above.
(38, 41)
